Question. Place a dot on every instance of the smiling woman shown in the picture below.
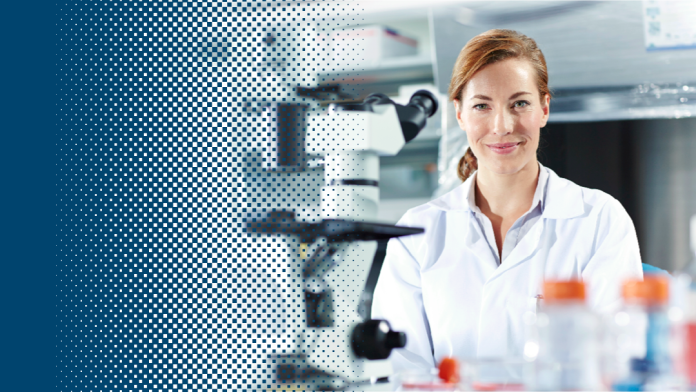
(464, 286)
(528, 73)
(500, 92)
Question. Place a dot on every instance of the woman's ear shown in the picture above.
(545, 109)
(458, 112)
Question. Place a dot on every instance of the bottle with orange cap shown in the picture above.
(562, 341)
(644, 337)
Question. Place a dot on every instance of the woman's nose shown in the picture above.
(503, 122)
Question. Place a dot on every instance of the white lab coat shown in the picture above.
(445, 290)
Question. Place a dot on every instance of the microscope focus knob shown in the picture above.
(374, 339)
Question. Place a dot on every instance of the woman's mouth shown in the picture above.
(503, 148)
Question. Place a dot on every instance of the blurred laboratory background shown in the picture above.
(622, 115)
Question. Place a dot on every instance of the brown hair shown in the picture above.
(485, 49)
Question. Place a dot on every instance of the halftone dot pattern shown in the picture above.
(161, 149)
(294, 49)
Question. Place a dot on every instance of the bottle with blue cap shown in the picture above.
(645, 334)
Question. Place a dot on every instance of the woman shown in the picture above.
(462, 287)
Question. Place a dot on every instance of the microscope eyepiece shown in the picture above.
(425, 100)
(423, 104)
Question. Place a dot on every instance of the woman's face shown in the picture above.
(502, 114)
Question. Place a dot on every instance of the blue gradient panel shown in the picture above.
(158, 153)
(151, 286)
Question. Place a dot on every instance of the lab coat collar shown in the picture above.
(537, 200)
(561, 199)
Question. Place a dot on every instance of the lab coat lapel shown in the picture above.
(476, 242)
(456, 201)
(525, 249)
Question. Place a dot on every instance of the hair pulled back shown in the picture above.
(487, 48)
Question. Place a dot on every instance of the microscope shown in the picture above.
(316, 172)
(334, 340)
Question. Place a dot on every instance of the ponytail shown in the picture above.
(467, 165)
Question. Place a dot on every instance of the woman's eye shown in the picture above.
(481, 106)
(521, 104)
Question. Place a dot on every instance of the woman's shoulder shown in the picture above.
(565, 195)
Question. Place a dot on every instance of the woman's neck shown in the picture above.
(506, 194)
